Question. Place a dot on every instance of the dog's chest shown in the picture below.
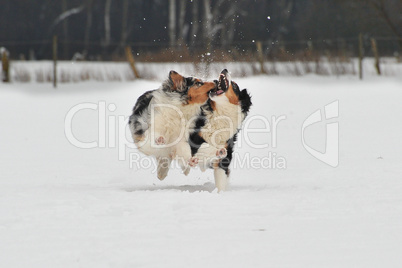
(222, 124)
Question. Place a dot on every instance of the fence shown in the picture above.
(244, 50)
(324, 57)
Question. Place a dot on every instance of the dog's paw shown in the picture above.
(160, 140)
(193, 161)
(186, 171)
(221, 153)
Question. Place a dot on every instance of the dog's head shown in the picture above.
(228, 91)
(191, 89)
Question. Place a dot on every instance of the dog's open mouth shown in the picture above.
(222, 85)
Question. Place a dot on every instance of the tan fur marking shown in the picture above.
(138, 138)
(177, 80)
(215, 164)
(200, 94)
(201, 134)
(232, 97)
(213, 105)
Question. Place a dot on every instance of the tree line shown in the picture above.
(105, 27)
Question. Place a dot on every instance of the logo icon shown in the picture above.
(331, 154)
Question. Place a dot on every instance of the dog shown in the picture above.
(215, 132)
(163, 118)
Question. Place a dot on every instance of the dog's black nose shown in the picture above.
(224, 71)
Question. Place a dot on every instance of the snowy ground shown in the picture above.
(62, 206)
(76, 71)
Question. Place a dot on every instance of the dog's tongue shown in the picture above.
(219, 92)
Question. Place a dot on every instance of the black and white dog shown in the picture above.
(163, 118)
(215, 132)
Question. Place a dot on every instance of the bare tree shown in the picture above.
(181, 27)
(172, 23)
(207, 34)
(229, 22)
(388, 11)
(384, 8)
(210, 27)
(195, 23)
(65, 14)
(65, 30)
(124, 31)
(88, 26)
(211, 24)
(107, 23)
(285, 8)
(215, 20)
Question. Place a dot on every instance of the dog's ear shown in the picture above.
(245, 100)
(177, 80)
(236, 88)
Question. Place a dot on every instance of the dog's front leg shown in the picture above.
(221, 179)
(222, 171)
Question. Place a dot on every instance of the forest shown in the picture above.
(156, 30)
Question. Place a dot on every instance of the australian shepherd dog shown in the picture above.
(215, 132)
(163, 118)
(192, 121)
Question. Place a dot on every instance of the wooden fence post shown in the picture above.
(377, 58)
(130, 59)
(361, 56)
(55, 61)
(5, 65)
(260, 57)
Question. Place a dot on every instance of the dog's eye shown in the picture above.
(199, 83)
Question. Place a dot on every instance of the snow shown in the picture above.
(77, 71)
(62, 206)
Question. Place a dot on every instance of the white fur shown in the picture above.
(221, 179)
(169, 118)
(223, 123)
(206, 155)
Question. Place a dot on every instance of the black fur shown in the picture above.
(195, 140)
(143, 102)
(140, 106)
(208, 106)
(224, 163)
(139, 132)
(245, 100)
(236, 88)
(190, 81)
